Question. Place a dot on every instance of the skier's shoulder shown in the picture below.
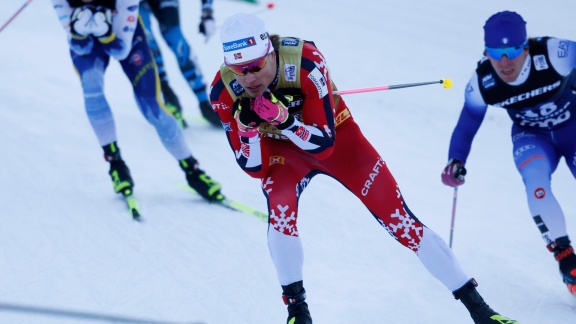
(296, 48)
(561, 53)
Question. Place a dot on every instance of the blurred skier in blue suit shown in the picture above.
(167, 13)
(98, 30)
(534, 79)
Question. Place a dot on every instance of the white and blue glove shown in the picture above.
(102, 22)
(91, 20)
(80, 22)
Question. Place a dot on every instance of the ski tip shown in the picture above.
(133, 206)
(136, 215)
(219, 199)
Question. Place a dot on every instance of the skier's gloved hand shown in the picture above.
(207, 25)
(273, 108)
(453, 174)
(247, 120)
(80, 22)
(102, 24)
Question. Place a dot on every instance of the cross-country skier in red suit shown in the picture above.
(275, 97)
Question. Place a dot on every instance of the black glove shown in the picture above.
(207, 25)
(247, 120)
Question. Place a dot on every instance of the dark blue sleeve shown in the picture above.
(468, 124)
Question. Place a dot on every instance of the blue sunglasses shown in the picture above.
(510, 52)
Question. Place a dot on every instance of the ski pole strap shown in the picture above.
(559, 244)
(292, 300)
(564, 253)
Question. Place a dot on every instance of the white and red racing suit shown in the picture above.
(324, 139)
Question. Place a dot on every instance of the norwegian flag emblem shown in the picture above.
(237, 56)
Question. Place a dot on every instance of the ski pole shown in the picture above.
(15, 14)
(446, 83)
(453, 214)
